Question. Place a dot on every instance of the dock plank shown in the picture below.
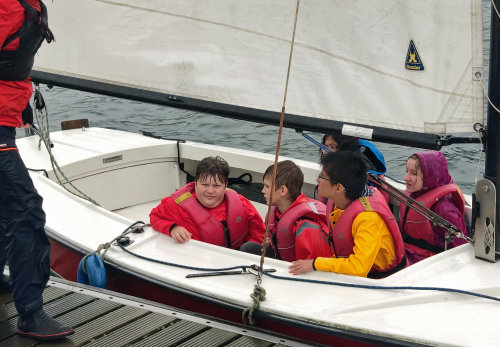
(74, 318)
(8, 309)
(8, 313)
(133, 332)
(212, 336)
(172, 335)
(100, 326)
(103, 318)
(248, 341)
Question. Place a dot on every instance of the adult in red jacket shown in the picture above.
(23, 242)
(207, 211)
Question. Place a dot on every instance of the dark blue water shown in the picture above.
(133, 116)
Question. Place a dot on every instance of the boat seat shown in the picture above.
(138, 212)
(75, 124)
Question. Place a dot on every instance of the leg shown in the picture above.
(27, 247)
(256, 248)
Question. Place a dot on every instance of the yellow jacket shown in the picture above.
(373, 246)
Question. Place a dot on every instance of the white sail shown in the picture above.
(349, 59)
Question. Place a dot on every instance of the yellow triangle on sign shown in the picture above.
(413, 61)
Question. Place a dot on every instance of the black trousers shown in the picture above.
(23, 241)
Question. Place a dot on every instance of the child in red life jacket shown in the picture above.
(207, 211)
(429, 182)
(297, 224)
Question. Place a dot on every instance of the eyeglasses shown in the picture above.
(324, 178)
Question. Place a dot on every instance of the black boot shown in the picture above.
(40, 326)
(4, 287)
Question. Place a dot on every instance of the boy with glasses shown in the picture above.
(365, 234)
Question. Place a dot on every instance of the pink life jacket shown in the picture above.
(416, 229)
(330, 206)
(342, 233)
(282, 235)
(212, 230)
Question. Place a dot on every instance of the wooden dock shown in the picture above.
(105, 318)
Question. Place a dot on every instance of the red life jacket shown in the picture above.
(385, 194)
(283, 239)
(342, 233)
(16, 65)
(416, 229)
(330, 205)
(212, 230)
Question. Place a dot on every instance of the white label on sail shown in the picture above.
(363, 133)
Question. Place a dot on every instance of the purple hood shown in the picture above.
(435, 172)
(434, 169)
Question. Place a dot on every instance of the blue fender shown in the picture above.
(91, 271)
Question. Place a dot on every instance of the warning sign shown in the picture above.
(413, 60)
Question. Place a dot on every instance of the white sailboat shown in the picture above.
(401, 72)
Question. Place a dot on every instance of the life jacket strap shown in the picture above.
(382, 274)
(421, 244)
(417, 242)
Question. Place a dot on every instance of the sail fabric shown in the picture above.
(399, 64)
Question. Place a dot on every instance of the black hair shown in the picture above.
(344, 142)
(347, 168)
(215, 167)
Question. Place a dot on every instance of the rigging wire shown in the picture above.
(495, 7)
(282, 117)
(480, 155)
(259, 292)
(42, 119)
(479, 76)
(452, 230)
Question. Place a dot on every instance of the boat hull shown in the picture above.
(64, 261)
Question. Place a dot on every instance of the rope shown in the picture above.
(495, 7)
(258, 295)
(479, 76)
(41, 115)
(363, 286)
(242, 267)
(105, 246)
(273, 185)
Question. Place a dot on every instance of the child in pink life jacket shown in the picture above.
(429, 182)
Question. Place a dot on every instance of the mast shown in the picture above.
(487, 226)
(492, 163)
